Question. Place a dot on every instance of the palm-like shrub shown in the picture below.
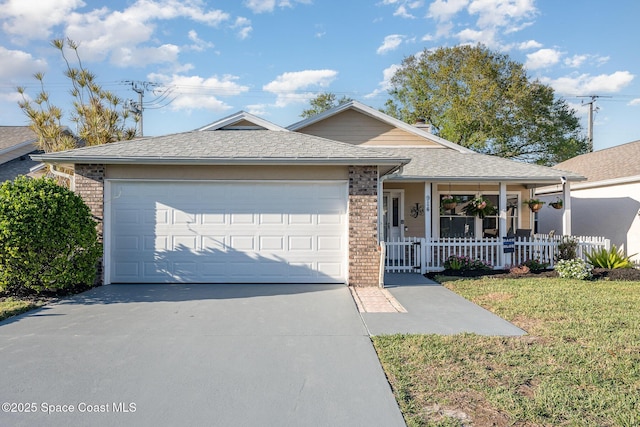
(611, 259)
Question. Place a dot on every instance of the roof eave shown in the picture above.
(521, 180)
(220, 161)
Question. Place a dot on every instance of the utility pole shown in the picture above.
(139, 107)
(590, 117)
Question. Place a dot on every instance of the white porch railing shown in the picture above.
(415, 254)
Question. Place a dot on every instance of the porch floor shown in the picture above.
(433, 309)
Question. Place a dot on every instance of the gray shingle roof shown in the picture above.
(611, 163)
(227, 147)
(451, 165)
(11, 136)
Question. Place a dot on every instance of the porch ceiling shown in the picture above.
(436, 164)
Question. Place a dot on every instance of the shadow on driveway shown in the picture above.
(220, 355)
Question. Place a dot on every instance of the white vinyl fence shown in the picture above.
(415, 254)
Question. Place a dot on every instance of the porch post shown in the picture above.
(502, 202)
(502, 221)
(429, 207)
(380, 190)
(566, 214)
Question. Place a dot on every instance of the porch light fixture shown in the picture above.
(417, 210)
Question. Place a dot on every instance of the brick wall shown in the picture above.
(89, 184)
(364, 252)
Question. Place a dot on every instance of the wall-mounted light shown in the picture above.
(417, 210)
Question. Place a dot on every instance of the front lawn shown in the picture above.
(579, 365)
(13, 306)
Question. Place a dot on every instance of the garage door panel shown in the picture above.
(228, 232)
(214, 217)
(272, 243)
(181, 243)
(125, 243)
(300, 243)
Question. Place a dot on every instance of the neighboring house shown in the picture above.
(245, 200)
(608, 202)
(16, 142)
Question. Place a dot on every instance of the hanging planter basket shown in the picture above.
(449, 202)
(480, 207)
(558, 204)
(535, 205)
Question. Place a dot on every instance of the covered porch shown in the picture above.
(422, 255)
(425, 220)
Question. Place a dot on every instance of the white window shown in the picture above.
(454, 222)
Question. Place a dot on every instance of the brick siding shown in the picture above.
(89, 184)
(364, 251)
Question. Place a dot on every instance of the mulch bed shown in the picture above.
(598, 274)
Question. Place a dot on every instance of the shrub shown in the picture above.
(611, 259)
(567, 249)
(456, 262)
(535, 265)
(573, 269)
(48, 239)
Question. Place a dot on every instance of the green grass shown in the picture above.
(579, 365)
(13, 306)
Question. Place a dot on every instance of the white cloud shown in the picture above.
(502, 13)
(198, 45)
(529, 44)
(243, 25)
(27, 21)
(585, 84)
(577, 61)
(195, 92)
(259, 110)
(390, 43)
(385, 84)
(262, 6)
(634, 102)
(542, 58)
(443, 10)
(486, 37)
(18, 65)
(287, 86)
(117, 35)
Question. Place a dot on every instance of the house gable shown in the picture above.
(242, 121)
(356, 128)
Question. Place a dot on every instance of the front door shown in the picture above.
(393, 216)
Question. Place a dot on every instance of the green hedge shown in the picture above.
(48, 238)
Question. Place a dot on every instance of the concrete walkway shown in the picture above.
(195, 355)
(433, 309)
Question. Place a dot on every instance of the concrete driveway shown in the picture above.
(178, 355)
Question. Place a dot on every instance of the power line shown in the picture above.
(590, 118)
(138, 107)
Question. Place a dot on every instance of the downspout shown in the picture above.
(71, 178)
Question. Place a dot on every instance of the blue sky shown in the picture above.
(209, 59)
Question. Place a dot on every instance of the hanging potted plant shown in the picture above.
(479, 206)
(557, 204)
(534, 204)
(449, 202)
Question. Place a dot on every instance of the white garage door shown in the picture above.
(215, 232)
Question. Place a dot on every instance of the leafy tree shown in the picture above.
(483, 100)
(99, 115)
(48, 238)
(323, 102)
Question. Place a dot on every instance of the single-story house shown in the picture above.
(245, 200)
(608, 202)
(16, 143)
